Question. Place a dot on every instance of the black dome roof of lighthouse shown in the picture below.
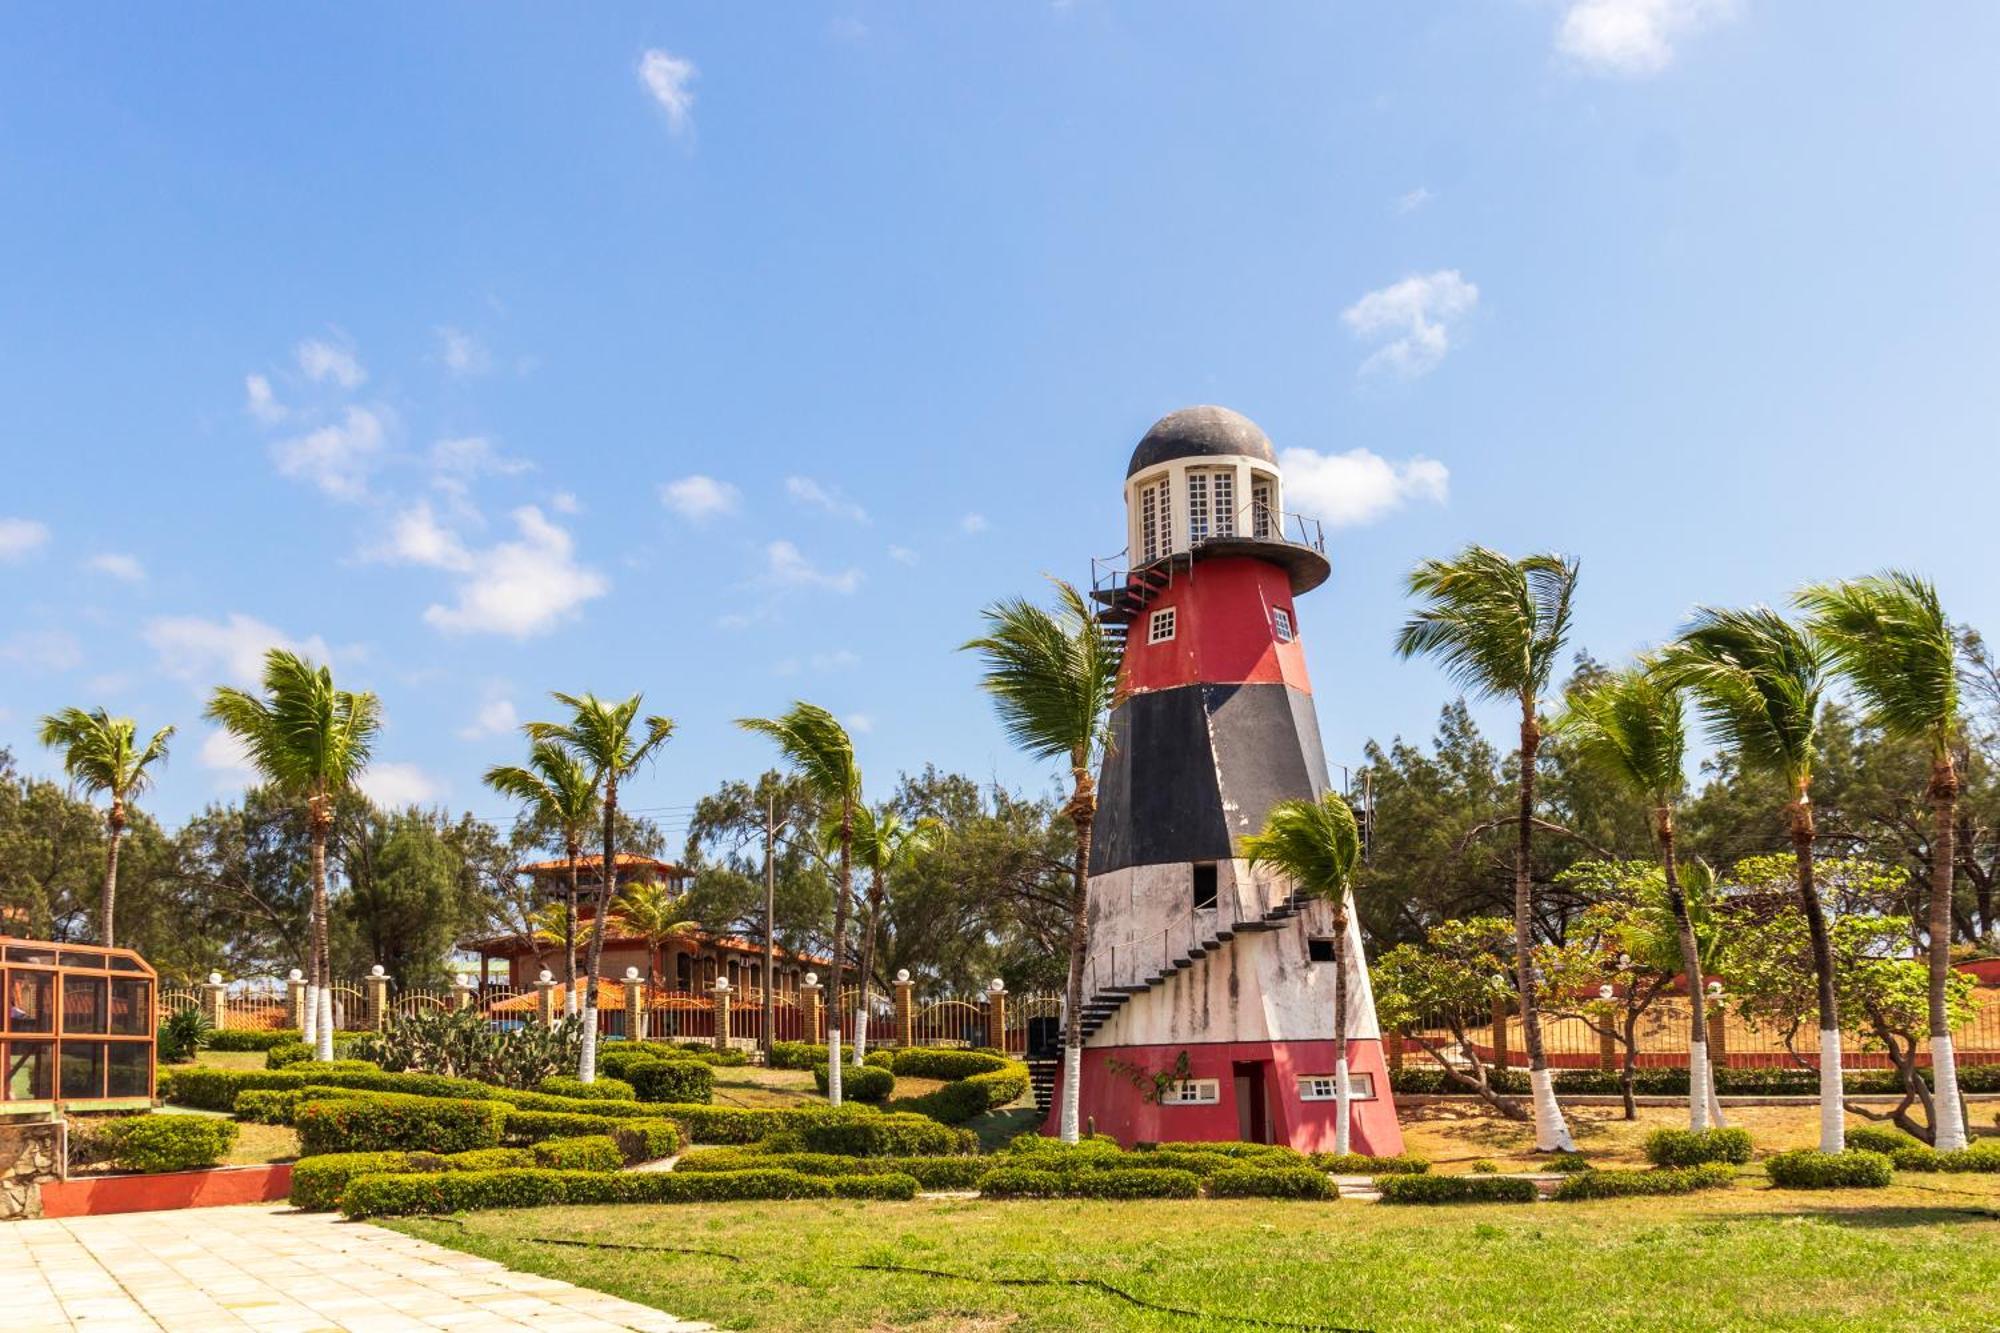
(1201, 432)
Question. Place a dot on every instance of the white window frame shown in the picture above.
(1222, 500)
(1160, 625)
(1201, 515)
(1156, 519)
(1192, 1092)
(1263, 494)
(1282, 625)
(1321, 1087)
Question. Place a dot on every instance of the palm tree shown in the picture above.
(1758, 679)
(559, 793)
(650, 911)
(599, 736)
(820, 748)
(886, 845)
(101, 754)
(1497, 626)
(1629, 728)
(1315, 845)
(1888, 636)
(310, 742)
(1053, 676)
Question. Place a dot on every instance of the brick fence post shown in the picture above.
(375, 998)
(545, 998)
(214, 1000)
(809, 1008)
(635, 1005)
(295, 1001)
(1718, 1027)
(905, 1019)
(721, 1013)
(1500, 1007)
(996, 1014)
(1392, 1047)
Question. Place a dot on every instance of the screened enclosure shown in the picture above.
(79, 1027)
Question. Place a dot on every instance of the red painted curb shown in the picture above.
(93, 1196)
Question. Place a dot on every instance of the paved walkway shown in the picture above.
(264, 1266)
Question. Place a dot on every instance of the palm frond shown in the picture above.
(100, 752)
(817, 745)
(1053, 675)
(1888, 636)
(1757, 680)
(1314, 844)
(1629, 727)
(1495, 625)
(302, 734)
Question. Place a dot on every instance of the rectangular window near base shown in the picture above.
(1204, 886)
(1319, 949)
(1323, 1087)
(1192, 1092)
(1161, 627)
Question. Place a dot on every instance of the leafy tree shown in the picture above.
(101, 753)
(559, 791)
(310, 741)
(1497, 626)
(1316, 845)
(650, 910)
(1053, 676)
(405, 901)
(1888, 637)
(1452, 979)
(598, 734)
(886, 845)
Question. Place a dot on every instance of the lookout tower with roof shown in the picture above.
(1209, 988)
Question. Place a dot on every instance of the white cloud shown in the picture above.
(21, 537)
(416, 537)
(222, 752)
(973, 524)
(118, 565)
(393, 786)
(338, 458)
(809, 492)
(1634, 38)
(323, 362)
(260, 402)
(698, 498)
(1358, 486)
(43, 650)
(462, 353)
(1412, 320)
(565, 502)
(903, 555)
(196, 649)
(785, 565)
(1414, 200)
(859, 723)
(474, 455)
(495, 717)
(666, 77)
(522, 587)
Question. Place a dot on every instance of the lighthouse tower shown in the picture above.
(1209, 990)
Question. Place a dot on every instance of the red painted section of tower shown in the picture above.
(1224, 632)
(1119, 1107)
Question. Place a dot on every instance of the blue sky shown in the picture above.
(737, 355)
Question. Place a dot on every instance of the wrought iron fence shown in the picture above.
(948, 1023)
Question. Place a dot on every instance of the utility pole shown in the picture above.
(770, 914)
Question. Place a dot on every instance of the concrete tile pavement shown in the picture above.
(266, 1267)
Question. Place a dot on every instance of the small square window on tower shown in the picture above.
(1281, 624)
(1161, 627)
(1319, 949)
(1204, 885)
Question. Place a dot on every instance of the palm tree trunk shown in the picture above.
(839, 969)
(1551, 1134)
(321, 819)
(1949, 1112)
(876, 893)
(1342, 1098)
(766, 1033)
(1698, 1071)
(571, 1000)
(1832, 1124)
(1083, 813)
(607, 889)
(116, 822)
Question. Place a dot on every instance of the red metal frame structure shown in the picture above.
(79, 1027)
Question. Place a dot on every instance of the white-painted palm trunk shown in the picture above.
(572, 1002)
(861, 1036)
(323, 1039)
(1551, 1134)
(833, 1066)
(1342, 1106)
(1715, 1120)
(1698, 1077)
(310, 1018)
(1072, 1094)
(1948, 1112)
(586, 1062)
(1832, 1111)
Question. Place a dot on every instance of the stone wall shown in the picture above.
(30, 1153)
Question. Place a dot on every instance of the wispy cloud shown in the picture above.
(462, 353)
(474, 455)
(194, 648)
(1634, 38)
(336, 458)
(667, 76)
(495, 717)
(43, 650)
(1414, 200)
(787, 566)
(1412, 321)
(395, 785)
(973, 524)
(840, 659)
(518, 588)
(699, 498)
(261, 402)
(829, 498)
(903, 555)
(1359, 486)
(222, 752)
(21, 538)
(859, 723)
(325, 362)
(125, 568)
(418, 537)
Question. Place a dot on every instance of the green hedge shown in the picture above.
(463, 1191)
(1456, 1189)
(162, 1142)
(1875, 1138)
(287, 1053)
(396, 1122)
(270, 1106)
(854, 1134)
(943, 1063)
(885, 1185)
(596, 1152)
(868, 1083)
(317, 1181)
(1263, 1182)
(485, 1159)
(646, 1140)
(681, 1081)
(1268, 1154)
(1810, 1169)
(1663, 1180)
(799, 1055)
(1021, 1182)
(1361, 1164)
(605, 1089)
(1685, 1147)
(1982, 1157)
(932, 1173)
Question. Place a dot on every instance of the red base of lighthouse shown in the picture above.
(1257, 1096)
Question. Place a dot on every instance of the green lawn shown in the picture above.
(1923, 1254)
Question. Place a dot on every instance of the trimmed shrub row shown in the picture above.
(943, 1063)
(605, 1089)
(461, 1191)
(932, 1173)
(1982, 1157)
(217, 1089)
(956, 1103)
(1026, 1182)
(1361, 1164)
(595, 1152)
(150, 1142)
(263, 1039)
(1456, 1189)
(1263, 1182)
(869, 1083)
(646, 1140)
(396, 1122)
(1684, 1147)
(800, 1055)
(1810, 1169)
(682, 1081)
(867, 1134)
(1664, 1180)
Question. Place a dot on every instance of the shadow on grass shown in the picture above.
(1879, 1217)
(996, 1128)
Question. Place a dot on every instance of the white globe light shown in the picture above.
(996, 985)
(376, 971)
(1604, 992)
(1715, 988)
(631, 974)
(546, 977)
(297, 975)
(812, 978)
(902, 974)
(215, 978)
